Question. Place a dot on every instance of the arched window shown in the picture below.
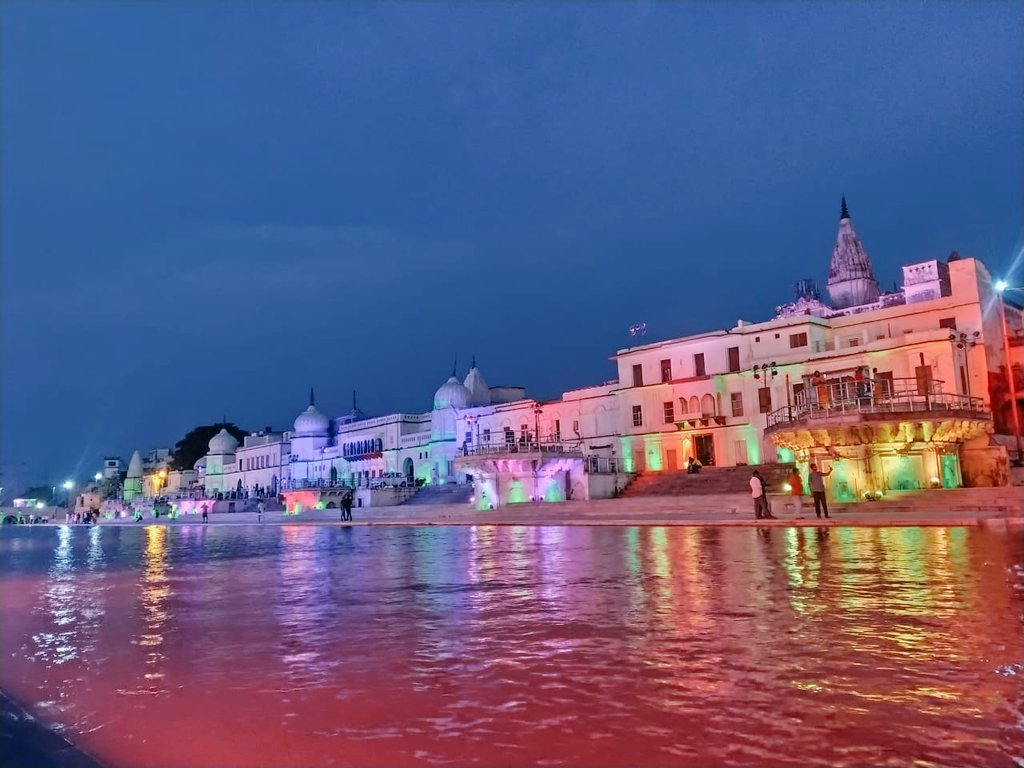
(707, 405)
(694, 405)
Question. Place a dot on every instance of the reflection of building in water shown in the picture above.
(304, 601)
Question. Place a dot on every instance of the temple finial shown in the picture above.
(312, 400)
(843, 212)
(353, 400)
(474, 361)
(455, 365)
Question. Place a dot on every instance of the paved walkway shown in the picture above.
(952, 508)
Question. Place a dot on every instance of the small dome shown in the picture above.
(479, 392)
(223, 443)
(452, 394)
(311, 423)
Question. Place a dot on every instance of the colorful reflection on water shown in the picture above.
(307, 645)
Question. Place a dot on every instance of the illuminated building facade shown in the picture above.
(889, 390)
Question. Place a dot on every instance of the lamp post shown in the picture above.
(966, 342)
(1001, 287)
(537, 411)
(68, 486)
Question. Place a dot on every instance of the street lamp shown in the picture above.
(966, 342)
(536, 424)
(98, 476)
(67, 485)
(1001, 287)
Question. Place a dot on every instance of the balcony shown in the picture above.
(846, 402)
(523, 450)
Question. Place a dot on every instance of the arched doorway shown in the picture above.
(407, 468)
(334, 475)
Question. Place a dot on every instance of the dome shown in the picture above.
(223, 443)
(452, 394)
(200, 465)
(479, 392)
(311, 423)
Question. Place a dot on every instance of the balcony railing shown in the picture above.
(874, 396)
(531, 447)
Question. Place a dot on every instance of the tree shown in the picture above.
(196, 443)
(43, 493)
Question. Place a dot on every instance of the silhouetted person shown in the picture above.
(692, 466)
(206, 515)
(818, 490)
(259, 511)
(346, 507)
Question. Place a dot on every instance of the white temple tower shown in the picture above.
(850, 279)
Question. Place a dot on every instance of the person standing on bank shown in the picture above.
(818, 490)
(206, 514)
(757, 493)
(346, 507)
(259, 511)
(796, 490)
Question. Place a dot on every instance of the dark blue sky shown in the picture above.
(208, 208)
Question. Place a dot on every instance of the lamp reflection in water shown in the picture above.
(59, 643)
(154, 596)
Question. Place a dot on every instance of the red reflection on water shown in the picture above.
(303, 646)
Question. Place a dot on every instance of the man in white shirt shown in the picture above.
(757, 493)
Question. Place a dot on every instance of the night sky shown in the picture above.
(208, 208)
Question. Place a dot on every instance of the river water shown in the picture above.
(597, 646)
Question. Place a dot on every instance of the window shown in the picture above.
(469, 437)
(698, 364)
(734, 359)
(853, 341)
(487, 435)
(757, 339)
(776, 335)
(682, 406)
(510, 436)
(948, 322)
(736, 399)
(638, 416)
(558, 429)
(638, 375)
(575, 427)
(764, 399)
(797, 340)
(666, 370)
(670, 412)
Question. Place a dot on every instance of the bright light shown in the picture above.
(98, 476)
(39, 505)
(162, 473)
(68, 485)
(787, 487)
(1000, 286)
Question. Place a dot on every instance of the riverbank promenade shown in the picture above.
(990, 506)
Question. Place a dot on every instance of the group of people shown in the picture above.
(346, 507)
(759, 493)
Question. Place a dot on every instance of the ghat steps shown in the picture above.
(709, 481)
(432, 495)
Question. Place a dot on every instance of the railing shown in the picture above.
(549, 447)
(597, 465)
(825, 401)
(303, 484)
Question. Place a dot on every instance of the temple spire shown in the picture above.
(851, 281)
(353, 400)
(455, 365)
(312, 400)
(474, 361)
